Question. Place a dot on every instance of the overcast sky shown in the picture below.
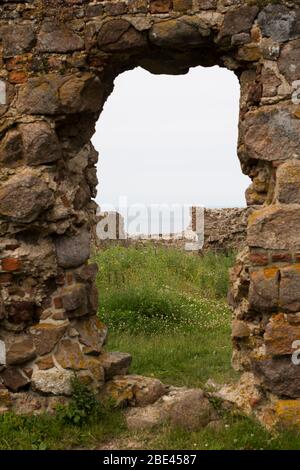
(171, 139)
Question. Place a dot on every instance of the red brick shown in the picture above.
(11, 264)
(259, 259)
(17, 77)
(284, 257)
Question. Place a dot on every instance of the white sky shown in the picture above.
(171, 139)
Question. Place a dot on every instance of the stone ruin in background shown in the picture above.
(58, 62)
(218, 230)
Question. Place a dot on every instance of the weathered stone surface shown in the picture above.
(270, 83)
(239, 20)
(92, 334)
(21, 311)
(280, 335)
(73, 250)
(288, 182)
(69, 355)
(279, 22)
(119, 35)
(54, 381)
(24, 197)
(57, 69)
(57, 37)
(46, 335)
(53, 94)
(160, 6)
(115, 363)
(280, 376)
(289, 294)
(14, 379)
(39, 95)
(271, 134)
(185, 408)
(74, 300)
(185, 30)
(45, 362)
(287, 413)
(264, 289)
(17, 39)
(190, 409)
(275, 227)
(19, 349)
(240, 329)
(182, 5)
(41, 144)
(81, 93)
(245, 394)
(134, 390)
(289, 61)
(11, 148)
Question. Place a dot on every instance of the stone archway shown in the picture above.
(59, 61)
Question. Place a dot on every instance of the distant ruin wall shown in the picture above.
(225, 230)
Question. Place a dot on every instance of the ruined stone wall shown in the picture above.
(225, 229)
(58, 62)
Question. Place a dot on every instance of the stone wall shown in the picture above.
(58, 62)
(225, 230)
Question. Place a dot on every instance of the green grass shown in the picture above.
(51, 432)
(237, 433)
(168, 309)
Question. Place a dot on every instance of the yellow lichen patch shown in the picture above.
(297, 112)
(261, 214)
(271, 272)
(288, 413)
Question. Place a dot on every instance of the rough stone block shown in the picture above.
(57, 37)
(279, 22)
(115, 363)
(280, 335)
(24, 197)
(19, 349)
(264, 289)
(275, 227)
(280, 376)
(41, 145)
(289, 294)
(74, 300)
(53, 381)
(17, 39)
(92, 334)
(288, 182)
(46, 336)
(271, 134)
(73, 250)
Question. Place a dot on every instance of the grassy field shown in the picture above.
(168, 309)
